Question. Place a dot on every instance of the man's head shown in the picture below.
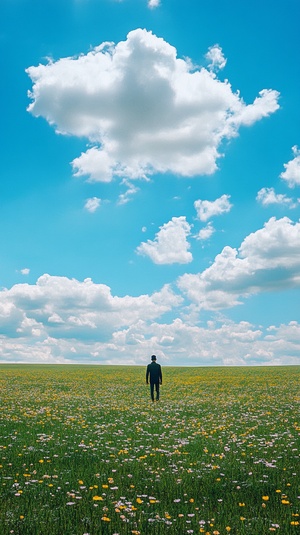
(153, 358)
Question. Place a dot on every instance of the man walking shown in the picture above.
(155, 374)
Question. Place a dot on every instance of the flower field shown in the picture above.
(83, 451)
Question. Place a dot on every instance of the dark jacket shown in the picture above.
(154, 371)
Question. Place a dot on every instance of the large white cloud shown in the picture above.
(170, 245)
(268, 259)
(142, 108)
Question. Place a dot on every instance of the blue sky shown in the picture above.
(150, 182)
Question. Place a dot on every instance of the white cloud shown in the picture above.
(206, 232)
(61, 320)
(267, 196)
(143, 109)
(265, 104)
(73, 309)
(216, 58)
(25, 271)
(219, 342)
(292, 169)
(153, 3)
(170, 244)
(267, 260)
(124, 198)
(91, 205)
(208, 209)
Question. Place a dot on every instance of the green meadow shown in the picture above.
(83, 451)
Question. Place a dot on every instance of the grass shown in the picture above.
(83, 450)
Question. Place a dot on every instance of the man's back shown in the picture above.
(154, 370)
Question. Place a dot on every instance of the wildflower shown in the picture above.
(265, 498)
(295, 523)
(105, 519)
(97, 498)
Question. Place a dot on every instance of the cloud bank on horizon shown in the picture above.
(61, 320)
(148, 115)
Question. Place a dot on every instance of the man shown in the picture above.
(154, 372)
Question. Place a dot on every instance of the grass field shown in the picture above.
(83, 450)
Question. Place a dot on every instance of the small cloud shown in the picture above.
(267, 196)
(91, 205)
(153, 3)
(144, 229)
(208, 209)
(124, 198)
(170, 245)
(25, 271)
(205, 233)
(216, 58)
(292, 169)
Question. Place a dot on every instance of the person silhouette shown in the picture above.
(155, 374)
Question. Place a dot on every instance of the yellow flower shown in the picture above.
(105, 519)
(139, 500)
(295, 523)
(228, 528)
(241, 504)
(80, 482)
(97, 498)
(22, 516)
(265, 498)
(285, 502)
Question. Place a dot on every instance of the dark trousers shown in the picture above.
(156, 385)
